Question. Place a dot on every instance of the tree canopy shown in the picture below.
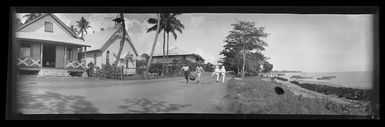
(83, 25)
(243, 46)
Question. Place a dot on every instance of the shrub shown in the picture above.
(108, 72)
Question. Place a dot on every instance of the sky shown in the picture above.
(304, 42)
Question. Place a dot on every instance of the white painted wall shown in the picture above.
(113, 48)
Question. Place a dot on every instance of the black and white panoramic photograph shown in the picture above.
(194, 63)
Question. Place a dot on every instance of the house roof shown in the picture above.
(174, 51)
(50, 37)
(74, 40)
(99, 39)
(103, 38)
(55, 18)
(178, 52)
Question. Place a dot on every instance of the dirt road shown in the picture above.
(83, 96)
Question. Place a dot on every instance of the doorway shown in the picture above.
(49, 55)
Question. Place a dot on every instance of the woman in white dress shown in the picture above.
(216, 73)
(223, 74)
(199, 70)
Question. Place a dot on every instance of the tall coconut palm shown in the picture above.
(172, 24)
(168, 23)
(83, 25)
(161, 28)
(31, 16)
(153, 45)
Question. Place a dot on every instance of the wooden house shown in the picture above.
(47, 46)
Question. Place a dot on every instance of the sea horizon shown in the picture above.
(351, 79)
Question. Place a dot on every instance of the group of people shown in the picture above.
(199, 70)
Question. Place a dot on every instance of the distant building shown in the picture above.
(269, 74)
(177, 54)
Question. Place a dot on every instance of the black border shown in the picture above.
(10, 111)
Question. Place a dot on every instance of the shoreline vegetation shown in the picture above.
(345, 92)
(256, 95)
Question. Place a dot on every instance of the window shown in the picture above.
(69, 54)
(107, 57)
(25, 50)
(126, 63)
(48, 27)
(95, 58)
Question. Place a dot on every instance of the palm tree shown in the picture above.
(74, 29)
(172, 24)
(161, 28)
(83, 25)
(154, 44)
(168, 23)
(31, 16)
(18, 23)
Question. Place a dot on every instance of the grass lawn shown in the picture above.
(256, 96)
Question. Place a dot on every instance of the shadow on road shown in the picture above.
(53, 103)
(145, 105)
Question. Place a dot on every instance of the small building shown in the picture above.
(47, 46)
(268, 74)
(105, 46)
(177, 54)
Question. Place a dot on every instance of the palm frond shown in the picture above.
(153, 28)
(152, 21)
(174, 34)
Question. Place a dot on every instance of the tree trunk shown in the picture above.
(121, 42)
(153, 47)
(244, 61)
(164, 52)
(82, 35)
(167, 51)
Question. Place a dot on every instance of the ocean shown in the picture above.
(354, 79)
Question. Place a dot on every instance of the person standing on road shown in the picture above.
(198, 72)
(216, 72)
(186, 72)
(223, 74)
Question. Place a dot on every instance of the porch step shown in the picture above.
(53, 72)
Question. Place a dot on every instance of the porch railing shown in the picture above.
(29, 62)
(75, 64)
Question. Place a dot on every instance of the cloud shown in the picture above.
(98, 21)
(196, 21)
(143, 40)
(20, 16)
